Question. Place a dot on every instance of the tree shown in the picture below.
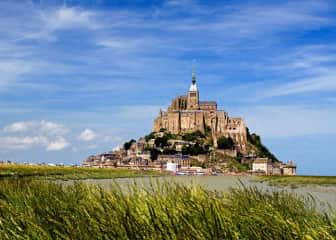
(154, 153)
(161, 142)
(169, 151)
(225, 143)
(193, 136)
(150, 136)
(127, 145)
(195, 149)
(255, 140)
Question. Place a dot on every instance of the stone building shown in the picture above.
(262, 165)
(187, 114)
(289, 168)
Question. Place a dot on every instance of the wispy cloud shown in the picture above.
(58, 144)
(277, 121)
(28, 134)
(36, 127)
(325, 82)
(87, 135)
(13, 142)
(308, 69)
(62, 18)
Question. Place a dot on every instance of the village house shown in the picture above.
(179, 159)
(262, 166)
(289, 168)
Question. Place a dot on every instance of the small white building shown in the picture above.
(172, 167)
(262, 165)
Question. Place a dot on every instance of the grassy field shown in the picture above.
(35, 209)
(299, 180)
(65, 173)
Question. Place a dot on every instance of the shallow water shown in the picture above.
(324, 194)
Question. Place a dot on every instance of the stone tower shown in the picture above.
(193, 95)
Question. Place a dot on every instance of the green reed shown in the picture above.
(31, 209)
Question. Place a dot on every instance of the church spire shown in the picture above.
(193, 86)
(193, 75)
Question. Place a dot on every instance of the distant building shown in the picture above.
(179, 144)
(277, 168)
(262, 165)
(172, 167)
(289, 169)
(179, 159)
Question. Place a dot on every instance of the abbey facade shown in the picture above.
(187, 114)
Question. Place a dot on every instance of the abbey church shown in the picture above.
(187, 114)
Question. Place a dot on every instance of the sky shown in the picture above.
(82, 77)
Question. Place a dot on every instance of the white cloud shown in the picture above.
(58, 144)
(13, 142)
(87, 135)
(27, 134)
(310, 68)
(52, 128)
(320, 83)
(42, 24)
(37, 127)
(18, 127)
(70, 17)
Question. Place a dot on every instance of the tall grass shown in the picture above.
(44, 210)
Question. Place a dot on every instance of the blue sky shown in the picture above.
(81, 77)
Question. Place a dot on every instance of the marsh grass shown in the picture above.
(295, 181)
(69, 173)
(31, 209)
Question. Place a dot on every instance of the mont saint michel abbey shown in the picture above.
(187, 114)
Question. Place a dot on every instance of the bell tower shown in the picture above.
(193, 94)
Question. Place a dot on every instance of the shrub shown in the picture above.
(225, 143)
(193, 136)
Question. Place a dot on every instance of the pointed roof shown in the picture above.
(193, 86)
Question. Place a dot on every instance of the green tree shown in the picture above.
(161, 142)
(195, 149)
(154, 153)
(127, 145)
(255, 140)
(225, 143)
(150, 136)
(193, 136)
